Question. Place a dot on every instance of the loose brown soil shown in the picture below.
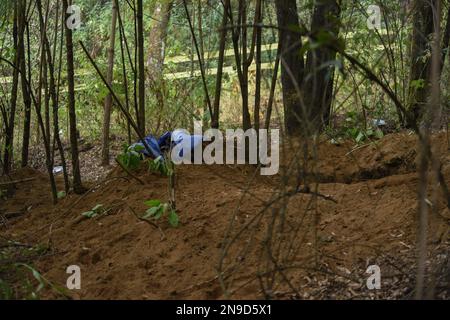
(368, 216)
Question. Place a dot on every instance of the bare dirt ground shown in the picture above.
(367, 217)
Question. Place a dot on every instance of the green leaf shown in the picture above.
(61, 194)
(159, 213)
(97, 207)
(173, 219)
(152, 203)
(89, 214)
(151, 212)
(139, 148)
(379, 134)
(359, 137)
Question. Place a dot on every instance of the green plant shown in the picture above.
(42, 282)
(352, 129)
(131, 157)
(161, 165)
(94, 212)
(14, 276)
(61, 194)
(157, 210)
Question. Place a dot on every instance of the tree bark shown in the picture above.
(108, 99)
(141, 67)
(420, 63)
(77, 185)
(222, 46)
(446, 40)
(157, 40)
(9, 139)
(258, 20)
(292, 63)
(156, 53)
(26, 99)
(318, 81)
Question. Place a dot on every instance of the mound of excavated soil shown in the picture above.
(370, 220)
(346, 162)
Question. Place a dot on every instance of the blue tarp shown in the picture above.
(163, 143)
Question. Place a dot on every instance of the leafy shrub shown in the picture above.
(157, 210)
(131, 157)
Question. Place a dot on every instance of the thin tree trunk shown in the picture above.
(108, 99)
(123, 41)
(77, 185)
(258, 20)
(46, 96)
(273, 86)
(42, 125)
(200, 61)
(141, 67)
(246, 121)
(54, 92)
(9, 139)
(222, 46)
(26, 99)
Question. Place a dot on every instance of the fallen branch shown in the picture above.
(5, 184)
(11, 215)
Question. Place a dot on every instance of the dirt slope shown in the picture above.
(370, 221)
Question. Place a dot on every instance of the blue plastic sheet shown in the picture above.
(165, 141)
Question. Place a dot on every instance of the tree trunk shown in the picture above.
(246, 120)
(446, 40)
(42, 125)
(222, 45)
(318, 82)
(77, 185)
(141, 67)
(157, 40)
(9, 139)
(420, 63)
(26, 99)
(292, 63)
(258, 20)
(54, 98)
(108, 99)
(156, 53)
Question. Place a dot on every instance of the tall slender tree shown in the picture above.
(18, 30)
(25, 92)
(141, 66)
(220, 62)
(77, 185)
(108, 99)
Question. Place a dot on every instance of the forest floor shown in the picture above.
(370, 220)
